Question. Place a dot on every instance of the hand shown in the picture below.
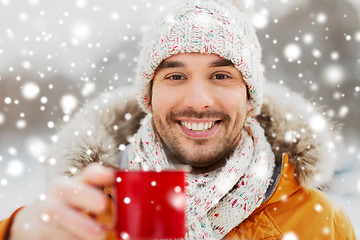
(61, 215)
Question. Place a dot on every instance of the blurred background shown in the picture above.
(57, 55)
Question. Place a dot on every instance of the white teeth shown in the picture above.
(198, 126)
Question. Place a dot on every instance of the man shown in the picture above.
(255, 166)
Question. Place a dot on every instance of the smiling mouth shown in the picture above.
(200, 127)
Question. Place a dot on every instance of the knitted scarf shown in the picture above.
(219, 200)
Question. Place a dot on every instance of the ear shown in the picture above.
(249, 105)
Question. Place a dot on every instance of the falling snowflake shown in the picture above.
(321, 18)
(292, 51)
(15, 168)
(316, 53)
(334, 74)
(21, 124)
(36, 147)
(318, 207)
(318, 123)
(3, 182)
(81, 32)
(308, 38)
(177, 189)
(261, 19)
(343, 111)
(334, 56)
(42, 197)
(30, 90)
(290, 236)
(12, 151)
(2, 118)
(45, 217)
(7, 100)
(127, 200)
(124, 235)
(81, 3)
(357, 36)
(88, 89)
(68, 104)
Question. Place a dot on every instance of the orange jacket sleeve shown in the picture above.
(5, 225)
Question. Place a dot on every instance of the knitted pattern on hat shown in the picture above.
(206, 26)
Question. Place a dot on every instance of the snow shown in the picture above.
(318, 123)
(343, 111)
(15, 168)
(68, 103)
(7, 100)
(292, 51)
(261, 19)
(334, 74)
(35, 146)
(2, 118)
(308, 38)
(127, 200)
(334, 56)
(3, 182)
(30, 90)
(290, 236)
(321, 18)
(318, 208)
(57, 55)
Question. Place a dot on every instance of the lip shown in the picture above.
(200, 134)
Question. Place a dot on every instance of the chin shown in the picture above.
(202, 161)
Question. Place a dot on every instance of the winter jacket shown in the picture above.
(305, 162)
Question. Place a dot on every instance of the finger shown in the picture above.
(79, 225)
(97, 175)
(56, 233)
(33, 224)
(80, 195)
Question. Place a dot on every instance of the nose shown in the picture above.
(198, 95)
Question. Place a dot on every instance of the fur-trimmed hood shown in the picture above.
(292, 124)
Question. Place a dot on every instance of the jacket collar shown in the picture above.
(99, 129)
(284, 182)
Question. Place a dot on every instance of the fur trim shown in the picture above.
(293, 125)
(101, 126)
(95, 133)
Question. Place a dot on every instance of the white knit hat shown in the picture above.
(205, 26)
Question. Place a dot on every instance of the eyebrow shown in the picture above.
(175, 64)
(170, 64)
(221, 63)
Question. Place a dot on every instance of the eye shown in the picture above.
(220, 76)
(176, 77)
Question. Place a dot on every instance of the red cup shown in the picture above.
(150, 204)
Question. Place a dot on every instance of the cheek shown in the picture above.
(234, 102)
(161, 101)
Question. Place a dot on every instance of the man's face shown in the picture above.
(199, 104)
